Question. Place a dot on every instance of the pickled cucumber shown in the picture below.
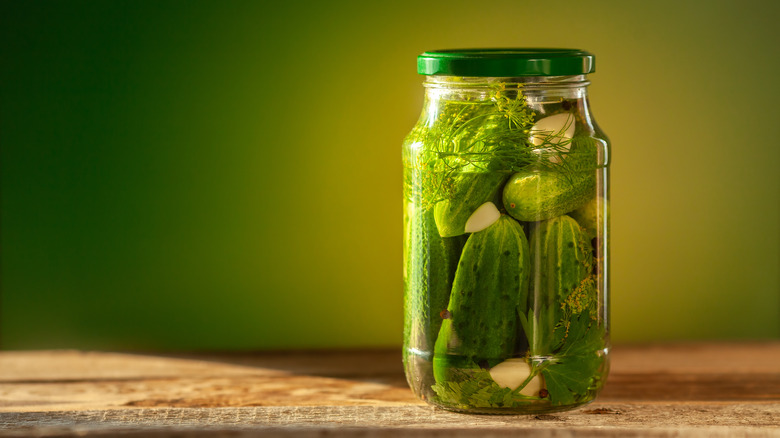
(490, 286)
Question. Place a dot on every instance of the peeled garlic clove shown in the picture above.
(553, 129)
(511, 373)
(484, 216)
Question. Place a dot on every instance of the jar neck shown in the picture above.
(544, 95)
(539, 91)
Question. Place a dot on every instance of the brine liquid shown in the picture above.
(541, 316)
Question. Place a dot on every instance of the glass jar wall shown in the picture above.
(506, 234)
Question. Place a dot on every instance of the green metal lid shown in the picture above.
(506, 62)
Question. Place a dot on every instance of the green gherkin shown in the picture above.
(430, 266)
(471, 191)
(533, 195)
(562, 284)
(543, 192)
(490, 287)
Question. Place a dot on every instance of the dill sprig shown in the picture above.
(480, 136)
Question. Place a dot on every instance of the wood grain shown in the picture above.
(657, 390)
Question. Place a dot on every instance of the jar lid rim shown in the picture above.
(506, 62)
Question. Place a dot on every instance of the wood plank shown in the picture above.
(601, 419)
(82, 381)
(657, 390)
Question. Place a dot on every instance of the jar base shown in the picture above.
(528, 410)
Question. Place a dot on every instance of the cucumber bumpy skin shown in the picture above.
(490, 287)
(471, 191)
(535, 195)
(431, 261)
(560, 285)
(540, 193)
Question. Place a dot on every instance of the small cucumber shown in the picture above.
(543, 192)
(490, 286)
(430, 266)
(590, 216)
(471, 191)
(562, 283)
(431, 261)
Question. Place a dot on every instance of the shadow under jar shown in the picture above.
(506, 234)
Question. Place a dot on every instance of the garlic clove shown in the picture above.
(484, 216)
(553, 129)
(511, 373)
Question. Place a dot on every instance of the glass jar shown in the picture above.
(506, 225)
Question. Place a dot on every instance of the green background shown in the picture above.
(227, 175)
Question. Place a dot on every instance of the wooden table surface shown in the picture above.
(708, 390)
